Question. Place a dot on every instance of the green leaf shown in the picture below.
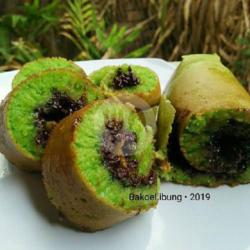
(89, 34)
(139, 52)
(133, 35)
(13, 22)
(4, 37)
(24, 51)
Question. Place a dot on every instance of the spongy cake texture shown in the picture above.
(77, 181)
(87, 147)
(35, 92)
(213, 115)
(42, 64)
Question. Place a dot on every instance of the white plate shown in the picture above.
(29, 222)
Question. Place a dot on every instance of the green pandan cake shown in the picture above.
(42, 64)
(132, 83)
(97, 164)
(31, 110)
(210, 143)
(97, 76)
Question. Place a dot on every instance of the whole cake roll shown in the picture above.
(98, 166)
(43, 64)
(210, 143)
(131, 83)
(31, 110)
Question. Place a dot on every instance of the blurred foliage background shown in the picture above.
(93, 29)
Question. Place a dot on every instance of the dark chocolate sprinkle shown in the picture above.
(123, 79)
(47, 116)
(117, 151)
(228, 149)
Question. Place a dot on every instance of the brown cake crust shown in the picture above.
(67, 188)
(10, 149)
(153, 97)
(141, 100)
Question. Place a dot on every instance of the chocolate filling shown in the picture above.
(47, 116)
(229, 148)
(123, 79)
(117, 150)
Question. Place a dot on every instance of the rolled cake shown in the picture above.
(131, 83)
(210, 144)
(31, 110)
(96, 162)
(43, 64)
